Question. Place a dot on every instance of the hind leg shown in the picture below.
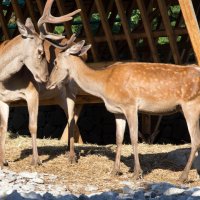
(120, 129)
(4, 113)
(191, 113)
(132, 118)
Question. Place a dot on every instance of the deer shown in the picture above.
(17, 83)
(129, 87)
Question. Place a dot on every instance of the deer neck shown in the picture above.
(88, 79)
(11, 57)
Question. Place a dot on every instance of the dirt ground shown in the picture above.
(95, 163)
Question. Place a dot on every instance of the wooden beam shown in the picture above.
(141, 34)
(3, 24)
(87, 29)
(192, 25)
(147, 27)
(40, 6)
(126, 29)
(67, 26)
(170, 33)
(106, 28)
(29, 5)
(17, 10)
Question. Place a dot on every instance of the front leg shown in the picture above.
(33, 105)
(4, 113)
(71, 125)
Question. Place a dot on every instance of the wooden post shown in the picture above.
(170, 33)
(192, 25)
(17, 10)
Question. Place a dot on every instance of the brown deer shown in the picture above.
(129, 87)
(19, 84)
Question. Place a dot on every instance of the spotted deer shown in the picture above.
(17, 83)
(129, 87)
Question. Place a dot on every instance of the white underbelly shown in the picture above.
(157, 107)
(10, 96)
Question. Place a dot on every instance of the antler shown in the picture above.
(64, 46)
(48, 18)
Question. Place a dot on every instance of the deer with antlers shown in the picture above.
(129, 87)
(17, 83)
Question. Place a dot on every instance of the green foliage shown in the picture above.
(135, 19)
(95, 22)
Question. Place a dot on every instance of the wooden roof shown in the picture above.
(157, 34)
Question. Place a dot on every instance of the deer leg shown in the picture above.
(192, 118)
(71, 125)
(120, 129)
(68, 104)
(77, 135)
(63, 104)
(132, 119)
(33, 105)
(4, 113)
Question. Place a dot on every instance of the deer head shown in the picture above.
(32, 51)
(63, 63)
(32, 45)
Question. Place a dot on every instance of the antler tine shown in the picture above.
(48, 18)
(71, 40)
(65, 45)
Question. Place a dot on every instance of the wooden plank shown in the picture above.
(17, 10)
(4, 24)
(147, 27)
(169, 31)
(67, 26)
(141, 34)
(126, 29)
(106, 28)
(40, 6)
(192, 25)
(87, 29)
(31, 13)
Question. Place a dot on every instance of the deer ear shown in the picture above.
(29, 24)
(24, 31)
(76, 48)
(85, 49)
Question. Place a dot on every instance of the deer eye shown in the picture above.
(55, 63)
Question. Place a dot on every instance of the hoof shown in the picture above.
(138, 175)
(72, 159)
(36, 162)
(182, 179)
(5, 163)
(115, 172)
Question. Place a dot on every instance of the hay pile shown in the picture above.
(95, 163)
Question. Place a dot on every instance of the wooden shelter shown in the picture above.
(137, 30)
